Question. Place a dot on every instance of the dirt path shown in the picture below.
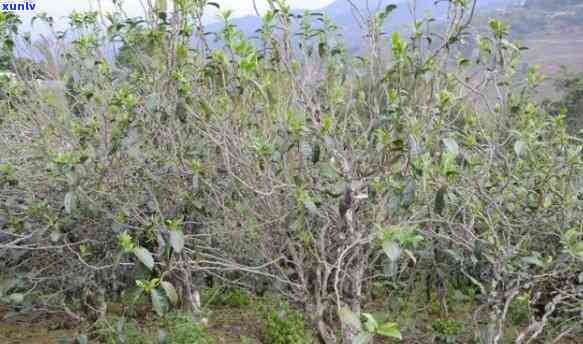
(33, 328)
(227, 326)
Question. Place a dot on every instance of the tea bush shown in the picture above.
(285, 326)
(287, 159)
(225, 297)
(182, 329)
(447, 330)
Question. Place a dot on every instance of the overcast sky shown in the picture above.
(61, 8)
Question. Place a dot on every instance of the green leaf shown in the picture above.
(152, 103)
(399, 46)
(371, 324)
(316, 153)
(327, 171)
(16, 298)
(125, 241)
(170, 292)
(69, 202)
(177, 240)
(390, 8)
(56, 236)
(311, 206)
(520, 149)
(389, 330)
(163, 337)
(350, 319)
(533, 260)
(81, 339)
(145, 257)
(440, 200)
(159, 302)
(571, 236)
(548, 201)
(392, 250)
(362, 338)
(452, 146)
(462, 62)
(578, 249)
(390, 268)
(509, 44)
(7, 285)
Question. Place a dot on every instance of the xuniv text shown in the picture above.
(20, 6)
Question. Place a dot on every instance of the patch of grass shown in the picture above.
(519, 310)
(284, 325)
(175, 328)
(248, 340)
(225, 297)
(121, 330)
(183, 330)
(447, 330)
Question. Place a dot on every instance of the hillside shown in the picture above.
(343, 13)
(552, 30)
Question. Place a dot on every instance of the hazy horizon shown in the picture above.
(59, 11)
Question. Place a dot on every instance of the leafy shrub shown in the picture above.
(447, 330)
(183, 330)
(225, 297)
(177, 329)
(365, 326)
(519, 310)
(285, 326)
(245, 157)
(119, 330)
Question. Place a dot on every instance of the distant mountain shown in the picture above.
(551, 4)
(343, 14)
(552, 30)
